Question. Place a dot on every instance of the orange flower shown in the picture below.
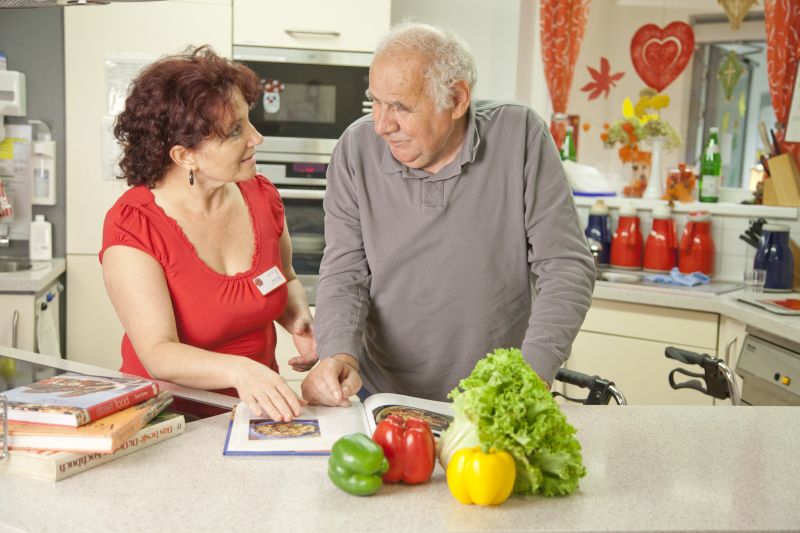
(604, 137)
(606, 125)
(585, 126)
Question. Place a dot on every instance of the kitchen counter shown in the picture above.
(724, 304)
(34, 280)
(649, 469)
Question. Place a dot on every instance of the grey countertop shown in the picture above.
(725, 304)
(34, 280)
(649, 469)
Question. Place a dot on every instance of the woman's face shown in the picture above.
(231, 158)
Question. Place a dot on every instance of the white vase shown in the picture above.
(655, 184)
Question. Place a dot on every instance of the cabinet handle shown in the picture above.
(294, 33)
(4, 449)
(14, 323)
(728, 347)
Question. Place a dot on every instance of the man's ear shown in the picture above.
(461, 95)
(183, 157)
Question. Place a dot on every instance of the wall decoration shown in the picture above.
(782, 18)
(602, 80)
(659, 55)
(562, 23)
(271, 99)
(736, 10)
(729, 73)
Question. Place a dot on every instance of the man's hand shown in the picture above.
(332, 381)
(303, 337)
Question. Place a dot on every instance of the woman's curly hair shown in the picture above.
(179, 100)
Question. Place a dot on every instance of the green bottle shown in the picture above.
(710, 169)
(568, 146)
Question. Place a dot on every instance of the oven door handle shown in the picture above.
(301, 194)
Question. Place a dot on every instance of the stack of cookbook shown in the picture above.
(66, 424)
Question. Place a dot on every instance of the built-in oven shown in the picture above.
(309, 96)
(300, 180)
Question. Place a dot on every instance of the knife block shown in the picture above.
(783, 186)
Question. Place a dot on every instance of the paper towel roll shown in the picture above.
(47, 337)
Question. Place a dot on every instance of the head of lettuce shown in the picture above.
(504, 405)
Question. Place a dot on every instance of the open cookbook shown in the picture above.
(317, 428)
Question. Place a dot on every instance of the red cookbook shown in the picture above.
(76, 399)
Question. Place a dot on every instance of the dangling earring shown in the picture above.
(191, 177)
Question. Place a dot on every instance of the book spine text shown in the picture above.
(114, 405)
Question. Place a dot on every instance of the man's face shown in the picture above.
(404, 113)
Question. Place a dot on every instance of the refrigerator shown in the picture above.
(104, 47)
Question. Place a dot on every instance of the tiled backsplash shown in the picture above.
(732, 253)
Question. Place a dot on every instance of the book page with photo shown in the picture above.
(317, 428)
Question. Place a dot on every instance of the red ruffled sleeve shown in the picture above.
(128, 225)
(272, 200)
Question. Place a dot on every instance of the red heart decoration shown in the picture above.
(659, 55)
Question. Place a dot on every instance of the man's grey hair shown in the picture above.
(450, 58)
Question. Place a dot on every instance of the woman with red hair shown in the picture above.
(196, 254)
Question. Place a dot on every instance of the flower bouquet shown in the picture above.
(638, 123)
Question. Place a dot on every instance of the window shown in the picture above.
(737, 118)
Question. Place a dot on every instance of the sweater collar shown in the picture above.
(467, 154)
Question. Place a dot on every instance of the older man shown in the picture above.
(440, 214)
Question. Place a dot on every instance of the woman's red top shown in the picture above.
(213, 311)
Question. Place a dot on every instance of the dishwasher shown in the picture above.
(770, 369)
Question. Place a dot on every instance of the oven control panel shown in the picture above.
(776, 367)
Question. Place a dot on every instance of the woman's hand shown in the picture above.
(265, 392)
(303, 336)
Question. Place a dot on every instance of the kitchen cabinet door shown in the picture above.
(638, 367)
(94, 333)
(351, 25)
(20, 335)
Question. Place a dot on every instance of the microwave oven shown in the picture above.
(309, 96)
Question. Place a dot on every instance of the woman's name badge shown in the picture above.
(269, 281)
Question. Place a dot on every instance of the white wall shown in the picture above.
(490, 28)
(504, 36)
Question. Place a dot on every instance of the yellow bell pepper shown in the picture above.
(482, 478)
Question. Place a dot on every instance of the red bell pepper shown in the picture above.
(409, 446)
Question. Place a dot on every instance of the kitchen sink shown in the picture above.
(636, 279)
(8, 264)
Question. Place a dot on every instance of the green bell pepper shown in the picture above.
(357, 464)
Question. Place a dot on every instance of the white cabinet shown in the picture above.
(131, 33)
(351, 25)
(625, 343)
(95, 332)
(20, 314)
(17, 321)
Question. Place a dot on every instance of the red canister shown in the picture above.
(697, 249)
(626, 245)
(661, 249)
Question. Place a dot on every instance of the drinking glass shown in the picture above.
(754, 279)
